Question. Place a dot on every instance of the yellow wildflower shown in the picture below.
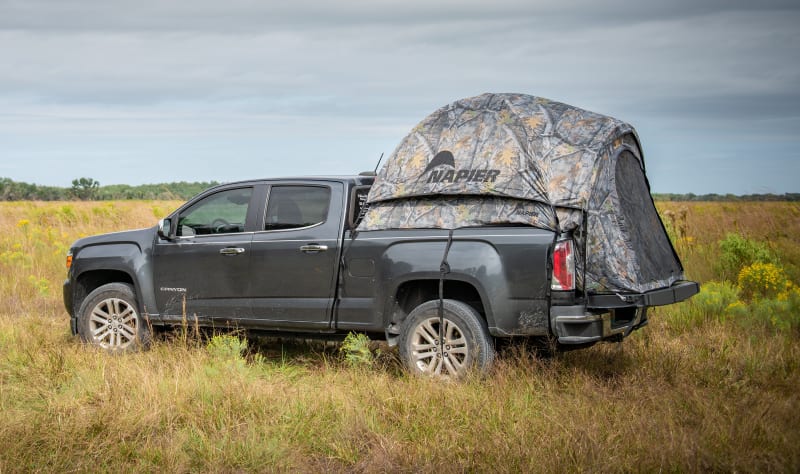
(762, 280)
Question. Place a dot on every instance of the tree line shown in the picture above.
(726, 197)
(88, 189)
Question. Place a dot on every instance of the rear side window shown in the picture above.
(293, 207)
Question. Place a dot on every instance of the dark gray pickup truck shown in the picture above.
(281, 255)
(441, 274)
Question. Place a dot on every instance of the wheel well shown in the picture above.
(413, 293)
(90, 281)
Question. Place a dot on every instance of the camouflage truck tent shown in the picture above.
(513, 159)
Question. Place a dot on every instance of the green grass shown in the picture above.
(709, 385)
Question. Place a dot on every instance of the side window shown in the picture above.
(221, 213)
(292, 207)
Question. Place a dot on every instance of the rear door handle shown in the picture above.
(232, 251)
(313, 248)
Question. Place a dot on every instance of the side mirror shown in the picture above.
(165, 228)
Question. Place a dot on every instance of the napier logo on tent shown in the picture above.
(442, 169)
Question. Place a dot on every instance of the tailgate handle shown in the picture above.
(313, 248)
(232, 251)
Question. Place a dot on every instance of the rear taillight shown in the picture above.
(563, 267)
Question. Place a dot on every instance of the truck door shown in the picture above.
(207, 262)
(294, 257)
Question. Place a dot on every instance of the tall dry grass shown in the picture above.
(37, 235)
(719, 394)
(697, 228)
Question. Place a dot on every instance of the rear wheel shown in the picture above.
(109, 318)
(466, 341)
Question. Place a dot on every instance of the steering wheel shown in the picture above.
(218, 224)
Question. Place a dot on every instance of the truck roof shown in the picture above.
(356, 180)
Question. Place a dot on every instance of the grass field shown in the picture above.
(709, 385)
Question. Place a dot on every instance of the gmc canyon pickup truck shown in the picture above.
(282, 255)
(499, 215)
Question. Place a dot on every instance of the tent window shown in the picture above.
(642, 225)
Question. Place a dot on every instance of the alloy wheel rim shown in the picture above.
(425, 348)
(113, 324)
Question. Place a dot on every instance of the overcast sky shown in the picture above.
(151, 91)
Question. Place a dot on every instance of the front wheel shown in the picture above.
(466, 342)
(109, 318)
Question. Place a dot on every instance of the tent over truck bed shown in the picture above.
(513, 159)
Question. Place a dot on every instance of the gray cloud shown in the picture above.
(244, 15)
(97, 76)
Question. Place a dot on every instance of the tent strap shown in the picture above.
(444, 269)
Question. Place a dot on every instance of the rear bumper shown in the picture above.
(576, 325)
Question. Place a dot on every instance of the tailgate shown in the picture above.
(679, 291)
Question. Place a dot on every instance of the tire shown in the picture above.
(109, 318)
(468, 344)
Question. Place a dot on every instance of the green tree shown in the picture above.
(84, 188)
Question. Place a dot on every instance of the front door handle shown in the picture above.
(313, 248)
(232, 251)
